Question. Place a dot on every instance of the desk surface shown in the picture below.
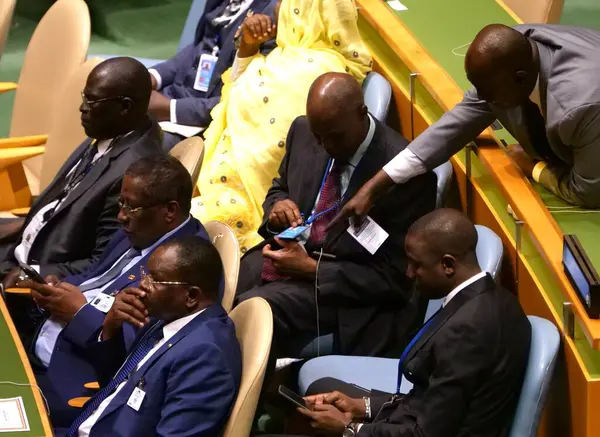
(441, 28)
(15, 369)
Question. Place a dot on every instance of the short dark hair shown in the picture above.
(198, 263)
(165, 179)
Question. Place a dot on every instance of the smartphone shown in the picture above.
(32, 274)
(294, 398)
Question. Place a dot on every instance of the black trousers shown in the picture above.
(327, 385)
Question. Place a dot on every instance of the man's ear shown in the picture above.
(194, 295)
(449, 264)
(172, 210)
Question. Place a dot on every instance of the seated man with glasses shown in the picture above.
(72, 221)
(154, 207)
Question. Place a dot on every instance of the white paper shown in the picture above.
(180, 129)
(103, 302)
(370, 235)
(12, 415)
(397, 6)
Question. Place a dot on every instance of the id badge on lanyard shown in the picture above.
(205, 70)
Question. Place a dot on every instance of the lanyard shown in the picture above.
(407, 350)
(314, 216)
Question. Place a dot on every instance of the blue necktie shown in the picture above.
(113, 273)
(153, 335)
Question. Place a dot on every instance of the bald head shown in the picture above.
(502, 64)
(440, 247)
(117, 92)
(337, 114)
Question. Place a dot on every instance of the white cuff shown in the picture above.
(404, 166)
(154, 73)
(239, 66)
(537, 170)
(358, 427)
(173, 106)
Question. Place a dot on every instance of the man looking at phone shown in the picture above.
(167, 357)
(154, 207)
(363, 292)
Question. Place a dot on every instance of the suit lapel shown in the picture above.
(314, 170)
(114, 255)
(449, 310)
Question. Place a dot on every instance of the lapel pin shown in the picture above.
(170, 344)
(131, 277)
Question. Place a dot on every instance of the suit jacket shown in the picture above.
(570, 97)
(372, 292)
(467, 369)
(191, 382)
(76, 235)
(178, 74)
(71, 366)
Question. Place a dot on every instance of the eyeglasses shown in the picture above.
(88, 103)
(145, 277)
(128, 210)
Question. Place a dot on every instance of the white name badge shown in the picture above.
(370, 235)
(136, 398)
(103, 302)
(206, 68)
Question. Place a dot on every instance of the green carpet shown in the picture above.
(151, 29)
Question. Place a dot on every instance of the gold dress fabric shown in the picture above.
(245, 142)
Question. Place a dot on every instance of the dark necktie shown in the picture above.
(153, 336)
(330, 196)
(536, 129)
(113, 273)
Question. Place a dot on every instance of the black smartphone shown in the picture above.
(295, 398)
(32, 274)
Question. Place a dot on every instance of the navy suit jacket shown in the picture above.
(191, 382)
(70, 366)
(179, 72)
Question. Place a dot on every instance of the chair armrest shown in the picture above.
(92, 385)
(18, 290)
(78, 402)
(7, 86)
(29, 141)
(20, 212)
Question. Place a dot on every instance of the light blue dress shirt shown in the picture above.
(48, 335)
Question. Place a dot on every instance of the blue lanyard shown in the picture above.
(407, 350)
(313, 216)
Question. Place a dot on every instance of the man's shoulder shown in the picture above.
(391, 141)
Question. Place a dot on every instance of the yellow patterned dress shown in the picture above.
(245, 142)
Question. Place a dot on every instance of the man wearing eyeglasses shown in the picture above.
(72, 221)
(154, 204)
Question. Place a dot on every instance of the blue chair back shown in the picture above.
(378, 94)
(444, 175)
(191, 22)
(545, 341)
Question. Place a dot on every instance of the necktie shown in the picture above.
(330, 196)
(536, 129)
(113, 273)
(153, 336)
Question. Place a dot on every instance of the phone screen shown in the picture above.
(293, 397)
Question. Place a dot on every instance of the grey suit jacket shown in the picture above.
(570, 95)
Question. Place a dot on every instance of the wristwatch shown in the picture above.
(350, 430)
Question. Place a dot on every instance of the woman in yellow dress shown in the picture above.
(245, 142)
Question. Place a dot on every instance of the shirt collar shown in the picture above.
(462, 286)
(147, 250)
(170, 329)
(535, 94)
(103, 146)
(362, 149)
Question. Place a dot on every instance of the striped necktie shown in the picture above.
(113, 273)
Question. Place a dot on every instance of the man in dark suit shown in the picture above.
(186, 91)
(467, 362)
(363, 296)
(181, 373)
(73, 220)
(154, 208)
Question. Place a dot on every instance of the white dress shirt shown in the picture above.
(462, 286)
(37, 222)
(169, 331)
(51, 329)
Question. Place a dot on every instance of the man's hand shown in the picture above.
(344, 403)
(11, 278)
(522, 159)
(160, 106)
(127, 307)
(256, 29)
(285, 213)
(52, 279)
(292, 259)
(61, 300)
(328, 418)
